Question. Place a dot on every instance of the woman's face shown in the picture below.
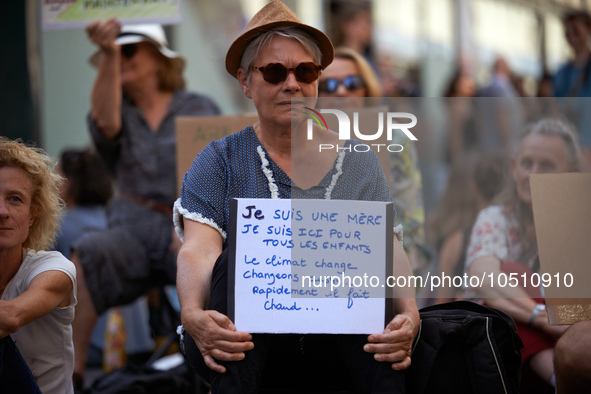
(538, 154)
(338, 71)
(140, 65)
(16, 190)
(274, 102)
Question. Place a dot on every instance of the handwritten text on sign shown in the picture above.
(310, 266)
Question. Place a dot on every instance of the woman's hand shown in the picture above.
(104, 33)
(216, 337)
(395, 344)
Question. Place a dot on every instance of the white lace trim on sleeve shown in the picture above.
(179, 213)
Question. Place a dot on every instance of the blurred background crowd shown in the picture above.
(416, 47)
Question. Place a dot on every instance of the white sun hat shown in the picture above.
(152, 33)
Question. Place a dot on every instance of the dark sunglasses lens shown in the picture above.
(353, 82)
(274, 73)
(306, 72)
(328, 85)
(129, 50)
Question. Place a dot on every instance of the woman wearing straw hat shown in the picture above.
(277, 61)
(138, 92)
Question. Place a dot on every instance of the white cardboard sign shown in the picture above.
(309, 266)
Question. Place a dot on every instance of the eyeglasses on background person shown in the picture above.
(351, 82)
(129, 50)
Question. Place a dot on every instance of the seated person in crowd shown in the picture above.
(473, 183)
(86, 190)
(276, 60)
(38, 288)
(504, 240)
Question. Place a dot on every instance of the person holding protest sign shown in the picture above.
(504, 240)
(37, 288)
(277, 62)
(138, 92)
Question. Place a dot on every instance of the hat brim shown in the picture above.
(95, 58)
(236, 50)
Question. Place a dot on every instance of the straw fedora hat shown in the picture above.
(152, 33)
(274, 14)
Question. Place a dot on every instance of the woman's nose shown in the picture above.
(291, 83)
(341, 90)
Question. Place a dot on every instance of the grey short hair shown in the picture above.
(560, 128)
(254, 47)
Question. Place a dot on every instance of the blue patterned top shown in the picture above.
(143, 161)
(232, 168)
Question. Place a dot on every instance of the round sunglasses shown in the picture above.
(276, 73)
(351, 82)
(128, 50)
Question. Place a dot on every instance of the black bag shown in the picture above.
(463, 347)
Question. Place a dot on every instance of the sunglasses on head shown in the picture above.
(128, 50)
(276, 73)
(330, 85)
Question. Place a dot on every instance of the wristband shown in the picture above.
(536, 311)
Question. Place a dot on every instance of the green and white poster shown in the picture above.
(71, 14)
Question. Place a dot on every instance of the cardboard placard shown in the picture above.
(562, 215)
(193, 133)
(286, 257)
